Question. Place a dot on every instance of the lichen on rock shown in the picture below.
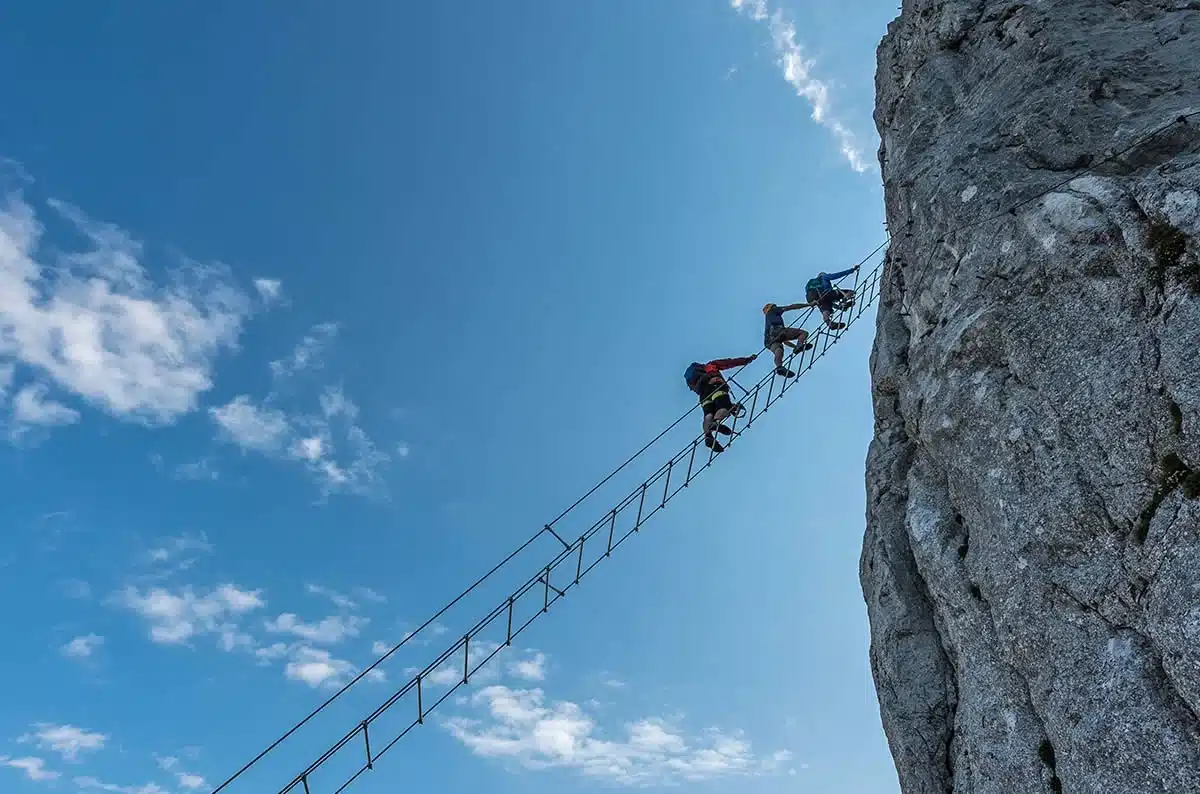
(1032, 559)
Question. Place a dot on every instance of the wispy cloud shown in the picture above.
(66, 740)
(252, 427)
(317, 667)
(173, 550)
(339, 600)
(202, 469)
(797, 71)
(34, 768)
(521, 726)
(31, 408)
(270, 290)
(186, 780)
(330, 445)
(527, 666)
(309, 353)
(330, 631)
(82, 647)
(532, 668)
(367, 594)
(176, 617)
(92, 784)
(92, 324)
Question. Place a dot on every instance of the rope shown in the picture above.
(825, 335)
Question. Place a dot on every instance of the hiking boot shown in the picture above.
(784, 372)
(713, 444)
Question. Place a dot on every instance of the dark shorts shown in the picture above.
(717, 404)
(825, 302)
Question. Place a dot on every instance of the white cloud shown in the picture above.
(270, 290)
(380, 648)
(175, 618)
(32, 409)
(92, 784)
(271, 653)
(338, 599)
(66, 740)
(169, 550)
(186, 780)
(797, 71)
(192, 782)
(6, 377)
(34, 768)
(252, 427)
(91, 321)
(82, 647)
(317, 667)
(519, 725)
(329, 631)
(403, 449)
(202, 469)
(309, 353)
(334, 450)
(531, 666)
(367, 594)
(529, 669)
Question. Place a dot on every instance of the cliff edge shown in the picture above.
(1032, 559)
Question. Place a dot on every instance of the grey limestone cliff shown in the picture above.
(1032, 559)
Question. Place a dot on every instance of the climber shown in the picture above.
(777, 334)
(823, 294)
(707, 381)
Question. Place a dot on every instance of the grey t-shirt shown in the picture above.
(774, 321)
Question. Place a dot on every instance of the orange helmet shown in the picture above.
(768, 307)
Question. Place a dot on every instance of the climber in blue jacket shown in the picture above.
(824, 294)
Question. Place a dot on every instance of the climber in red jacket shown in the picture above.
(707, 381)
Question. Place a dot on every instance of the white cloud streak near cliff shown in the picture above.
(797, 71)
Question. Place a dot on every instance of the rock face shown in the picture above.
(1032, 560)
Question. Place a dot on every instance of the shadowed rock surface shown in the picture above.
(1032, 560)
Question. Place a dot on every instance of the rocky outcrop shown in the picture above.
(1032, 559)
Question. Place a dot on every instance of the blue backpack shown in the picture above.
(692, 374)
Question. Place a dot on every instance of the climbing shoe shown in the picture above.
(837, 326)
(713, 444)
(723, 430)
(784, 372)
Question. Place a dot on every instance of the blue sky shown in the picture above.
(308, 317)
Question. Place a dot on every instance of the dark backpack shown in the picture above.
(816, 285)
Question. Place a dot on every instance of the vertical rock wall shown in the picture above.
(1032, 560)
